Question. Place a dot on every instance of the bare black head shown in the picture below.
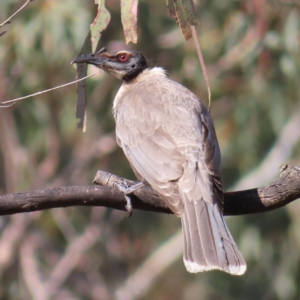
(125, 65)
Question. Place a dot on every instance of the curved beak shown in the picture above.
(97, 58)
(92, 58)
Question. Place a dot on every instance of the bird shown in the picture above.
(169, 139)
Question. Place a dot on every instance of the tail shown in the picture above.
(208, 244)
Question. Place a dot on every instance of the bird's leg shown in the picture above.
(127, 190)
(124, 188)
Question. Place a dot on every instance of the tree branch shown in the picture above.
(9, 19)
(277, 194)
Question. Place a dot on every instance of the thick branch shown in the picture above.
(279, 193)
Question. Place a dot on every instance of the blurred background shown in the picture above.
(252, 52)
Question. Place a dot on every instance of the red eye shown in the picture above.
(123, 57)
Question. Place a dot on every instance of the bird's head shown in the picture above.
(125, 65)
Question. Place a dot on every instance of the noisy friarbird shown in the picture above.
(169, 138)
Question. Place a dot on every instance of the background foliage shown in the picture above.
(252, 51)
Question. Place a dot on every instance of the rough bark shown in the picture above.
(277, 194)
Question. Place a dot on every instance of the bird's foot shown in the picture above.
(127, 190)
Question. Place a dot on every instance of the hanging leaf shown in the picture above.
(90, 45)
(190, 13)
(185, 16)
(100, 23)
(129, 9)
(81, 86)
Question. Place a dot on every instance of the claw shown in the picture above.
(128, 206)
(123, 187)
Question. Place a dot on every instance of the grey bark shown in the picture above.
(257, 200)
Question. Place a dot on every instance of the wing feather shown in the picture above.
(170, 145)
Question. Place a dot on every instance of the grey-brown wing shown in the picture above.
(169, 138)
(144, 131)
(156, 160)
(212, 156)
(170, 143)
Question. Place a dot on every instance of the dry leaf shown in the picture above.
(129, 9)
(185, 16)
(90, 45)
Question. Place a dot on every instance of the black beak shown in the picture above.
(88, 59)
(92, 58)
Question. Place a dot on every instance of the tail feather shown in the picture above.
(194, 253)
(208, 242)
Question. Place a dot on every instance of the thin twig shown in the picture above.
(202, 63)
(22, 7)
(12, 102)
